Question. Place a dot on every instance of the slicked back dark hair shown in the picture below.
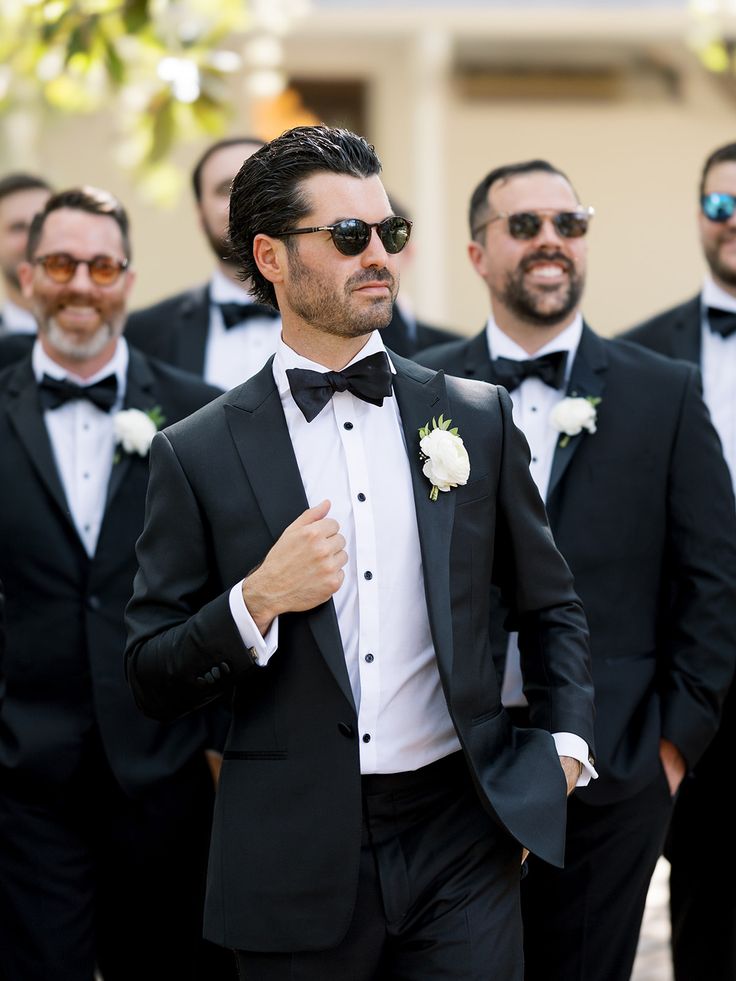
(268, 196)
(210, 151)
(22, 181)
(724, 154)
(93, 200)
(479, 210)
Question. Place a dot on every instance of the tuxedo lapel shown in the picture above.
(686, 332)
(477, 359)
(256, 420)
(420, 400)
(587, 380)
(26, 416)
(191, 338)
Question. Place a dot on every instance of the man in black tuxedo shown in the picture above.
(21, 196)
(214, 330)
(301, 560)
(104, 815)
(703, 330)
(640, 504)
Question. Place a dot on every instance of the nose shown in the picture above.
(548, 232)
(81, 280)
(374, 253)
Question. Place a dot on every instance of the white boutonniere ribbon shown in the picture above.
(572, 415)
(443, 453)
(135, 429)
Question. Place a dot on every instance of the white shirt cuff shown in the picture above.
(264, 647)
(568, 744)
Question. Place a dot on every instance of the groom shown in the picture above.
(375, 799)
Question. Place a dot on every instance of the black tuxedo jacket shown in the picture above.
(286, 838)
(676, 333)
(176, 328)
(64, 610)
(642, 510)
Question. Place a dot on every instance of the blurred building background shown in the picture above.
(612, 93)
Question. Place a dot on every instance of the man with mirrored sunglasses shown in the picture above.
(640, 504)
(303, 560)
(703, 330)
(104, 815)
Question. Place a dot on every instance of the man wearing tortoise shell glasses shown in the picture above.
(703, 330)
(640, 504)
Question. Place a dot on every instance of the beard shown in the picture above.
(323, 307)
(10, 275)
(65, 343)
(720, 270)
(220, 245)
(533, 305)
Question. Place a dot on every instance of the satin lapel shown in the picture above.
(26, 416)
(686, 333)
(139, 394)
(191, 338)
(587, 379)
(420, 400)
(477, 357)
(256, 420)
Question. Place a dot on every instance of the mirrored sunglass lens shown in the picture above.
(525, 224)
(351, 236)
(103, 271)
(571, 224)
(60, 267)
(718, 207)
(394, 234)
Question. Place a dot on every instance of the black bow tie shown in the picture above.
(55, 392)
(238, 313)
(368, 379)
(722, 322)
(549, 368)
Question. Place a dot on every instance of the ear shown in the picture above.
(477, 256)
(270, 257)
(25, 276)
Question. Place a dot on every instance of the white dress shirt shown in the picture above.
(354, 455)
(533, 402)
(16, 320)
(233, 355)
(83, 441)
(718, 364)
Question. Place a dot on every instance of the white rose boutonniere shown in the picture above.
(572, 415)
(446, 461)
(134, 430)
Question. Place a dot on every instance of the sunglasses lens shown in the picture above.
(351, 236)
(104, 271)
(718, 207)
(524, 224)
(394, 234)
(59, 267)
(571, 224)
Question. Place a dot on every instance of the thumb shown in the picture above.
(311, 515)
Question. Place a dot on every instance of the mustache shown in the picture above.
(372, 276)
(543, 256)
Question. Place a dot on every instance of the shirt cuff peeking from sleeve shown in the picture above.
(263, 647)
(568, 744)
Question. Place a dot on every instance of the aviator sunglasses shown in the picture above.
(718, 207)
(61, 267)
(528, 224)
(352, 235)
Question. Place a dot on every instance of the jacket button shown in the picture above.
(93, 603)
(345, 729)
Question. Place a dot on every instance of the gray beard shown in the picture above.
(62, 343)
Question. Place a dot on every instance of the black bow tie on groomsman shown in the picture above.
(722, 322)
(368, 379)
(549, 368)
(238, 313)
(55, 392)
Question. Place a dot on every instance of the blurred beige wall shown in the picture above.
(634, 151)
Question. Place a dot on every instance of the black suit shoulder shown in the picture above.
(183, 390)
(14, 347)
(660, 332)
(152, 328)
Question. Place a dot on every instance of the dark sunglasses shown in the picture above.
(528, 224)
(718, 207)
(352, 235)
(61, 267)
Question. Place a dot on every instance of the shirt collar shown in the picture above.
(286, 358)
(17, 320)
(715, 296)
(224, 290)
(117, 365)
(500, 345)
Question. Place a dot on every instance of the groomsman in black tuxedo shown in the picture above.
(104, 815)
(703, 330)
(640, 504)
(21, 196)
(319, 549)
(216, 330)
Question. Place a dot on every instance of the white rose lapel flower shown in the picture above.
(572, 415)
(445, 459)
(135, 429)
